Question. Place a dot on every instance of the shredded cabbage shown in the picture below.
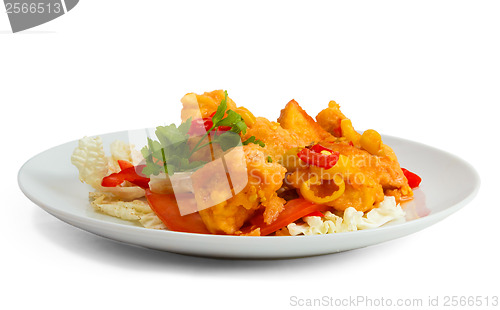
(91, 161)
(136, 210)
(93, 165)
(387, 211)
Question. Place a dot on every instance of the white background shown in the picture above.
(428, 71)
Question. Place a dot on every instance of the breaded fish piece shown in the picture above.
(367, 179)
(277, 139)
(199, 106)
(294, 119)
(329, 119)
(224, 204)
(380, 174)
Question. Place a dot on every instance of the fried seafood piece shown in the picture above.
(368, 178)
(294, 119)
(200, 106)
(382, 168)
(367, 147)
(372, 171)
(277, 140)
(247, 182)
(373, 175)
(330, 119)
(335, 122)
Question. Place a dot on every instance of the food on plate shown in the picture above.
(224, 171)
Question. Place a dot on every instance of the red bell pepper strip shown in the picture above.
(200, 126)
(413, 179)
(314, 156)
(128, 173)
(294, 210)
(315, 213)
(124, 164)
(214, 112)
(337, 132)
(166, 208)
(223, 128)
(319, 148)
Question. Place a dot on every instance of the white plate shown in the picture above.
(50, 181)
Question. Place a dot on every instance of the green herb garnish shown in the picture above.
(168, 154)
(253, 140)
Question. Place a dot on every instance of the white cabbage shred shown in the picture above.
(93, 165)
(136, 210)
(91, 161)
(387, 211)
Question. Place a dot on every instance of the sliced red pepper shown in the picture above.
(315, 213)
(313, 156)
(294, 210)
(124, 164)
(319, 148)
(166, 208)
(413, 179)
(337, 132)
(213, 113)
(128, 174)
(200, 126)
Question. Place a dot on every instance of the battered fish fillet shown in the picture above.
(329, 119)
(199, 106)
(368, 177)
(294, 119)
(226, 200)
(277, 139)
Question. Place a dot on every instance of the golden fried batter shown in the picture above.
(294, 119)
(367, 178)
(329, 119)
(277, 139)
(226, 200)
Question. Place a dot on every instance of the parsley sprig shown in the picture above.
(172, 153)
(168, 154)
